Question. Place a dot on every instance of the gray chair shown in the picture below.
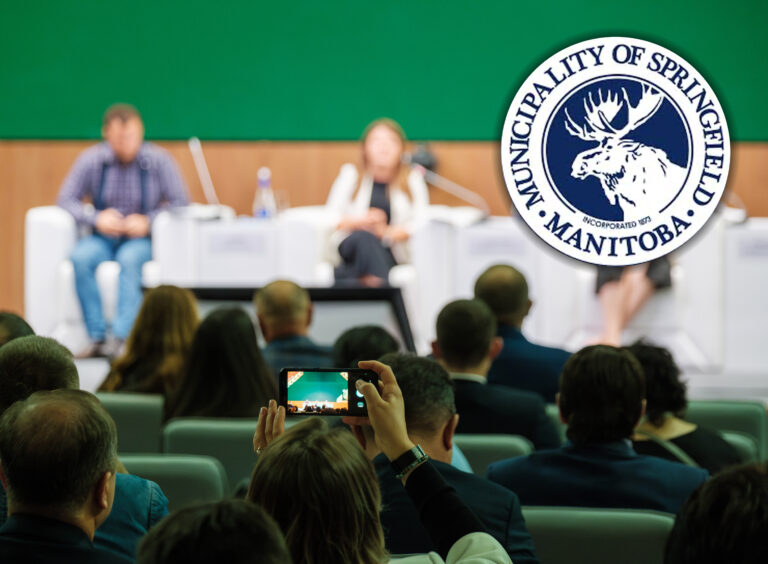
(746, 417)
(553, 412)
(228, 440)
(185, 479)
(575, 535)
(482, 450)
(138, 417)
(744, 444)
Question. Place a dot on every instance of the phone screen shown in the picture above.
(315, 391)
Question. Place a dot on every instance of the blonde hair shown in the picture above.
(323, 492)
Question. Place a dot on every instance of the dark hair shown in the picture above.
(32, 364)
(504, 289)
(427, 391)
(366, 342)
(724, 520)
(226, 374)
(601, 394)
(12, 327)
(123, 112)
(55, 446)
(232, 531)
(465, 329)
(664, 391)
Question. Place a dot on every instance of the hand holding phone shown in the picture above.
(324, 391)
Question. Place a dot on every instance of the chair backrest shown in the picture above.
(228, 440)
(185, 479)
(482, 450)
(744, 444)
(747, 417)
(553, 412)
(576, 535)
(139, 418)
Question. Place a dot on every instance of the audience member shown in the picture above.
(126, 182)
(431, 419)
(32, 364)
(601, 400)
(724, 520)
(226, 374)
(230, 532)
(157, 349)
(360, 343)
(666, 404)
(12, 327)
(322, 490)
(466, 346)
(520, 364)
(284, 311)
(59, 454)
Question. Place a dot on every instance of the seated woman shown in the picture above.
(156, 350)
(226, 374)
(375, 216)
(666, 404)
(323, 492)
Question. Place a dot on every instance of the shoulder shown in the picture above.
(521, 399)
(466, 483)
(138, 488)
(94, 156)
(156, 155)
(672, 471)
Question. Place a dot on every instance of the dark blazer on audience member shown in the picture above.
(527, 366)
(497, 508)
(484, 408)
(30, 538)
(296, 352)
(598, 475)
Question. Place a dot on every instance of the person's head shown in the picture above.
(12, 327)
(466, 337)
(283, 309)
(233, 531)
(383, 145)
(724, 520)
(665, 393)
(362, 343)
(226, 374)
(323, 492)
(160, 339)
(602, 394)
(430, 408)
(123, 129)
(32, 364)
(58, 454)
(504, 289)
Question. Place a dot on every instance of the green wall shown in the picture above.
(321, 70)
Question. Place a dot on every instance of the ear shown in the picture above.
(563, 419)
(643, 405)
(262, 327)
(2, 477)
(528, 307)
(449, 431)
(310, 313)
(497, 343)
(102, 493)
(436, 350)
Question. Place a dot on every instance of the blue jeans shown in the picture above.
(131, 254)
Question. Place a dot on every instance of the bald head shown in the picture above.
(284, 310)
(504, 289)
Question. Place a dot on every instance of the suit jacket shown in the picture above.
(497, 508)
(484, 408)
(296, 352)
(28, 539)
(598, 475)
(527, 366)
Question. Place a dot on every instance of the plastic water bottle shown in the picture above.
(264, 202)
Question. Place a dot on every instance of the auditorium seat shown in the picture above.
(744, 444)
(574, 535)
(553, 412)
(138, 417)
(748, 417)
(482, 450)
(185, 479)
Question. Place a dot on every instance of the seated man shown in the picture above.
(725, 520)
(32, 364)
(127, 183)
(520, 364)
(12, 327)
(233, 532)
(601, 400)
(59, 455)
(284, 311)
(431, 419)
(465, 347)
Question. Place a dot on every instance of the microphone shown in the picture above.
(202, 171)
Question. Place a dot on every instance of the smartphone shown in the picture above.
(324, 391)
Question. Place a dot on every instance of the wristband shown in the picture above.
(408, 461)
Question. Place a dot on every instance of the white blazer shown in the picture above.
(404, 211)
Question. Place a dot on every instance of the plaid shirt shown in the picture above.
(121, 188)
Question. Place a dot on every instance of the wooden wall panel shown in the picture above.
(32, 171)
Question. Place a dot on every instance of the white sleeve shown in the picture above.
(340, 196)
(474, 548)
